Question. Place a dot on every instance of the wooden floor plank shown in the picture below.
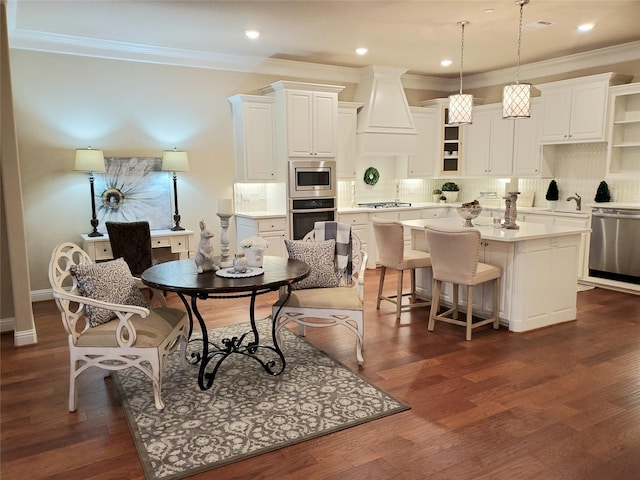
(558, 403)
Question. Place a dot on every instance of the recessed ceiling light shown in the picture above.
(585, 27)
(361, 50)
(489, 10)
(252, 34)
(446, 63)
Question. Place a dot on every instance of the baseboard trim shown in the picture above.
(41, 295)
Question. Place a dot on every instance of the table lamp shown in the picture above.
(90, 160)
(175, 161)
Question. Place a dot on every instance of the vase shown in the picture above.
(552, 205)
(436, 197)
(253, 256)
(451, 196)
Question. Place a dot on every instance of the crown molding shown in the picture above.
(625, 52)
(24, 39)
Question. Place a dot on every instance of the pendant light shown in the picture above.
(460, 105)
(515, 98)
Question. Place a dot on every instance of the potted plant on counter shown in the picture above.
(552, 195)
(450, 190)
(436, 195)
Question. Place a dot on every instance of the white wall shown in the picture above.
(126, 109)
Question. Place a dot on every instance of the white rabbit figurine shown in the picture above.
(204, 257)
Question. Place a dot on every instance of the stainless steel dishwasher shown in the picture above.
(615, 244)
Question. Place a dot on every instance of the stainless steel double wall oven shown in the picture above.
(312, 194)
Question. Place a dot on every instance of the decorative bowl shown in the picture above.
(468, 214)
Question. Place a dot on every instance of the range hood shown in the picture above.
(385, 124)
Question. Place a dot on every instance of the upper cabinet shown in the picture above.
(527, 156)
(253, 131)
(623, 156)
(347, 147)
(496, 146)
(489, 142)
(574, 110)
(423, 163)
(448, 139)
(306, 118)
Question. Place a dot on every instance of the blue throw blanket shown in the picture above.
(341, 233)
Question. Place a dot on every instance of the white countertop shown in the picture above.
(425, 205)
(258, 215)
(527, 231)
(629, 205)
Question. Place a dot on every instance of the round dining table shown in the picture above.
(182, 277)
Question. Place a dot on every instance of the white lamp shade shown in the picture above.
(89, 160)
(516, 100)
(175, 161)
(460, 109)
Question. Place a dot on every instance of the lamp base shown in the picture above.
(177, 228)
(95, 234)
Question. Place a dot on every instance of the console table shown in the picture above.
(179, 243)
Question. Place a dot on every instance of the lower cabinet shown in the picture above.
(566, 221)
(537, 286)
(359, 225)
(272, 229)
(545, 272)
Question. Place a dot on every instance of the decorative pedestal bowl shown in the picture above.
(468, 214)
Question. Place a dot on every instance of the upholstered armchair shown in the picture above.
(107, 320)
(323, 299)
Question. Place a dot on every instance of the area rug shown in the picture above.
(246, 412)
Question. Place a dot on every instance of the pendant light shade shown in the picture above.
(516, 98)
(461, 105)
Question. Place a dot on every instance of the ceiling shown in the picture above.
(415, 35)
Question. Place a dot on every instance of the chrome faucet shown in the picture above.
(578, 200)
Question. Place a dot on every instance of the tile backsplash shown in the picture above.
(579, 168)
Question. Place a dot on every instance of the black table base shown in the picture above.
(270, 357)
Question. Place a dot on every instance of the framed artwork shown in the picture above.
(133, 189)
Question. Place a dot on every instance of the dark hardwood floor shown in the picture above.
(557, 403)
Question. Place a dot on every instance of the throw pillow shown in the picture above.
(110, 282)
(320, 257)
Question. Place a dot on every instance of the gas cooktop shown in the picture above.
(384, 204)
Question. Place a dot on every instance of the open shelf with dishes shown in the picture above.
(623, 158)
(451, 146)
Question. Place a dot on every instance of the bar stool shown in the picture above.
(455, 255)
(389, 236)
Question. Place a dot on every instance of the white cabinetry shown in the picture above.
(527, 157)
(272, 229)
(501, 147)
(448, 139)
(544, 271)
(253, 138)
(423, 163)
(359, 223)
(347, 147)
(488, 142)
(623, 156)
(571, 220)
(307, 118)
(575, 110)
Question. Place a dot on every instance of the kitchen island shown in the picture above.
(539, 271)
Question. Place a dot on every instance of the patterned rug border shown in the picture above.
(147, 464)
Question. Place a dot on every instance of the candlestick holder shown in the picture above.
(511, 211)
(225, 259)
